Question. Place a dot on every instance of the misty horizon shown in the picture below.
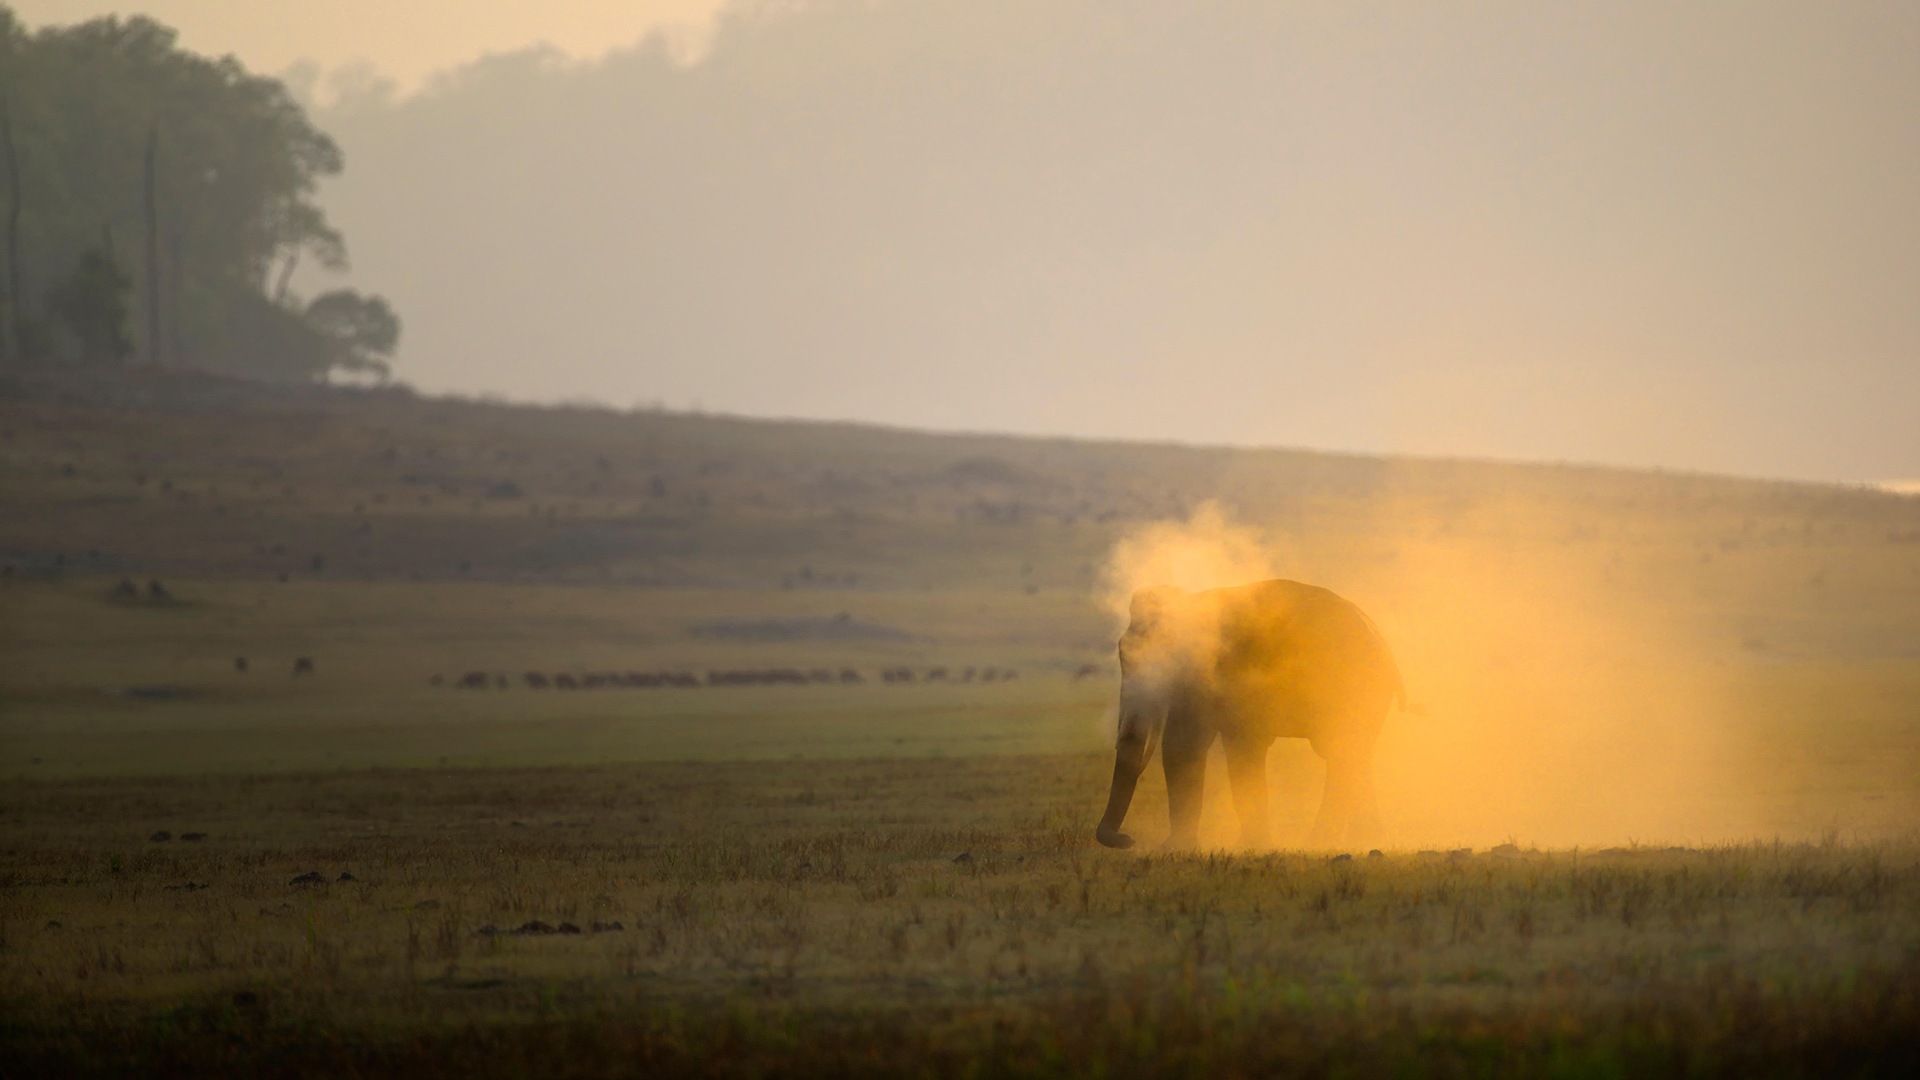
(1629, 235)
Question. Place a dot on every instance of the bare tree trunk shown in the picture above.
(153, 248)
(10, 312)
(174, 277)
(286, 277)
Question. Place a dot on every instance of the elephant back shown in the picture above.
(1303, 643)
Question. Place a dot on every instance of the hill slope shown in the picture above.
(162, 474)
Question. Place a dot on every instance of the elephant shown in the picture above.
(1247, 665)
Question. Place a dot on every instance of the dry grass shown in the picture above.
(890, 916)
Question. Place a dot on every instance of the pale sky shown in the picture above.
(406, 40)
(1627, 232)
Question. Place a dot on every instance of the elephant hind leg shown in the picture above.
(1349, 811)
(1363, 821)
(1183, 752)
(1247, 771)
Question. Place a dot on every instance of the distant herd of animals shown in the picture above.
(601, 680)
(647, 680)
(127, 591)
(607, 680)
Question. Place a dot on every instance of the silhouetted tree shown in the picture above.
(111, 122)
(364, 329)
(91, 303)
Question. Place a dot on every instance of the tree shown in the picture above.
(90, 108)
(10, 244)
(364, 329)
(92, 304)
(151, 207)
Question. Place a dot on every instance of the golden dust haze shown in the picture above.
(1556, 703)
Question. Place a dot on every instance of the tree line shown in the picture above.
(154, 204)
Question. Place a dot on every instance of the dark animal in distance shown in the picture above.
(240, 664)
(1245, 666)
(303, 665)
(649, 680)
(770, 677)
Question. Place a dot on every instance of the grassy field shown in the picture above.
(1674, 720)
(910, 915)
(77, 708)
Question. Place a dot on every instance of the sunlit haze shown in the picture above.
(1514, 651)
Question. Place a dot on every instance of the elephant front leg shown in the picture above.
(1184, 753)
(1247, 770)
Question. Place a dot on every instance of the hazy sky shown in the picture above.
(406, 40)
(1645, 233)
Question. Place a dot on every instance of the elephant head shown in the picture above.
(1154, 662)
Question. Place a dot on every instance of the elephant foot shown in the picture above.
(1178, 843)
(1113, 839)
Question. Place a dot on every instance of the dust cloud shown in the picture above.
(1206, 551)
(1554, 705)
